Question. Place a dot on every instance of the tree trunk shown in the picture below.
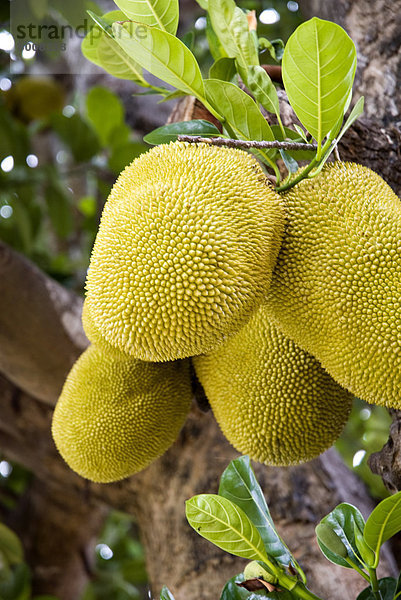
(46, 336)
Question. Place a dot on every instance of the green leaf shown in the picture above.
(203, 4)
(262, 88)
(10, 546)
(355, 113)
(172, 96)
(124, 154)
(239, 484)
(239, 110)
(290, 162)
(165, 594)
(59, 208)
(216, 49)
(17, 586)
(232, 591)
(103, 22)
(155, 13)
(387, 589)
(224, 524)
(343, 520)
(383, 522)
(169, 133)
(224, 68)
(231, 27)
(105, 112)
(163, 55)
(275, 48)
(301, 132)
(101, 48)
(77, 134)
(318, 71)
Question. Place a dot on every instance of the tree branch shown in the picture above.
(40, 329)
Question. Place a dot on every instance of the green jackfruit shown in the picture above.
(185, 251)
(117, 415)
(336, 289)
(94, 335)
(271, 399)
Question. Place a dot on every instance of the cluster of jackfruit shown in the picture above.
(286, 305)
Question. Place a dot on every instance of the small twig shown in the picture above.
(219, 141)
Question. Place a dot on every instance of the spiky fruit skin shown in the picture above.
(94, 335)
(185, 250)
(117, 415)
(336, 289)
(272, 400)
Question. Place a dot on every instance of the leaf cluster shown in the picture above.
(237, 520)
(318, 66)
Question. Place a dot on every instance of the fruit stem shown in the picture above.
(314, 162)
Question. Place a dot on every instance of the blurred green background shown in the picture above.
(63, 141)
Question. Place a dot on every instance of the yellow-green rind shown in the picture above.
(94, 335)
(272, 400)
(116, 415)
(185, 250)
(336, 288)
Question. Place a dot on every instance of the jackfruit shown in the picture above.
(117, 415)
(94, 335)
(271, 399)
(336, 289)
(35, 97)
(185, 250)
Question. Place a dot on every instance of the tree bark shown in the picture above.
(45, 336)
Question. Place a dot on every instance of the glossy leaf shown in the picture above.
(239, 110)
(290, 162)
(239, 484)
(169, 133)
(383, 522)
(301, 132)
(224, 524)
(155, 13)
(100, 48)
(387, 589)
(342, 520)
(262, 88)
(230, 24)
(10, 546)
(224, 68)
(318, 71)
(163, 55)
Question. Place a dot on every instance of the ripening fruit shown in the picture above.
(336, 289)
(117, 415)
(35, 97)
(185, 250)
(271, 399)
(94, 335)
